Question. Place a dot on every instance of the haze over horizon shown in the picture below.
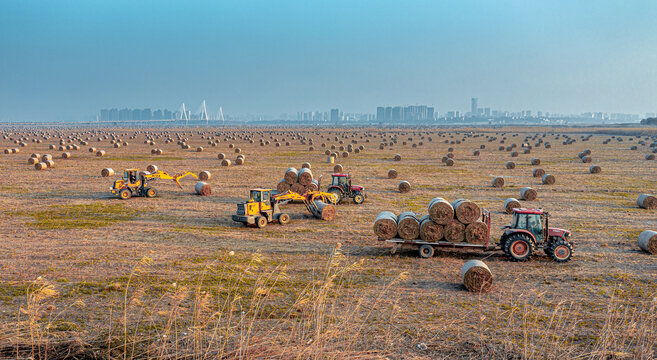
(68, 59)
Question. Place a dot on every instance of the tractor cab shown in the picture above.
(529, 230)
(341, 188)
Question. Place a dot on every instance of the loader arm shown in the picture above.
(308, 200)
(163, 175)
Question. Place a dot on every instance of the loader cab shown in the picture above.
(261, 195)
(531, 220)
(131, 176)
(259, 201)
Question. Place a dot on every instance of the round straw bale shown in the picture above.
(408, 226)
(202, 188)
(32, 160)
(466, 211)
(538, 172)
(650, 156)
(106, 172)
(92, 149)
(305, 177)
(648, 241)
(510, 204)
(282, 186)
(327, 211)
(392, 174)
(548, 179)
(510, 165)
(46, 157)
(498, 182)
(528, 194)
(397, 157)
(40, 166)
(454, 231)
(199, 149)
(440, 211)
(476, 276)
(225, 162)
(586, 159)
(385, 225)
(100, 153)
(476, 153)
(36, 156)
(50, 163)
(66, 155)
(239, 161)
(404, 186)
(306, 165)
(449, 162)
(536, 161)
(314, 185)
(221, 156)
(476, 233)
(338, 168)
(298, 188)
(595, 169)
(291, 175)
(151, 168)
(429, 230)
(647, 201)
(204, 176)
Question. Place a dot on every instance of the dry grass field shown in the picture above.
(86, 275)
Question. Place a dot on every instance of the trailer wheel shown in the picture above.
(261, 221)
(426, 251)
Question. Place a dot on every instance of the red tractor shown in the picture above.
(529, 231)
(341, 188)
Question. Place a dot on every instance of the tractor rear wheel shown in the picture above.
(561, 251)
(283, 219)
(358, 198)
(337, 194)
(261, 221)
(518, 247)
(151, 193)
(125, 194)
(426, 251)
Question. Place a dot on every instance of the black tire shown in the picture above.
(125, 194)
(518, 247)
(426, 251)
(561, 251)
(284, 219)
(150, 193)
(358, 198)
(261, 221)
(337, 194)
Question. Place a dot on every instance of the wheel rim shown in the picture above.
(124, 194)
(519, 248)
(425, 251)
(359, 198)
(561, 252)
(151, 193)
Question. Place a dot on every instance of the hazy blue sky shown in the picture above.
(65, 59)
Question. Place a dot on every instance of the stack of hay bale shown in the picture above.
(299, 181)
(456, 222)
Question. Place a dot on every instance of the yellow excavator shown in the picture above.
(263, 207)
(135, 183)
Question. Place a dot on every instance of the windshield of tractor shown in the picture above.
(520, 221)
(339, 180)
(534, 226)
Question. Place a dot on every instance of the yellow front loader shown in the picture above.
(136, 183)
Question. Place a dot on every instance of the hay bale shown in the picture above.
(429, 230)
(204, 176)
(202, 188)
(510, 165)
(392, 174)
(408, 226)
(50, 163)
(466, 211)
(548, 179)
(32, 160)
(305, 177)
(510, 204)
(66, 155)
(151, 168)
(536, 161)
(327, 211)
(397, 157)
(221, 156)
(498, 182)
(298, 188)
(476, 276)
(41, 166)
(46, 157)
(476, 233)
(595, 169)
(291, 176)
(440, 211)
(404, 186)
(199, 149)
(306, 165)
(648, 241)
(107, 172)
(650, 156)
(238, 150)
(586, 159)
(37, 156)
(92, 149)
(646, 201)
(100, 153)
(454, 231)
(282, 186)
(385, 225)
(239, 161)
(449, 162)
(314, 185)
(225, 162)
(528, 194)
(338, 168)
(538, 172)
(476, 153)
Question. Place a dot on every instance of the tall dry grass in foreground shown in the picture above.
(254, 313)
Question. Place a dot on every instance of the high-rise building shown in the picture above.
(335, 115)
(474, 106)
(380, 113)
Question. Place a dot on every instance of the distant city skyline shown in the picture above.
(65, 60)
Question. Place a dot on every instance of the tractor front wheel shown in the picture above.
(518, 247)
(125, 194)
(426, 251)
(261, 221)
(561, 251)
(151, 193)
(358, 198)
(283, 219)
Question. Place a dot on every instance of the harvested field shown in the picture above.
(88, 269)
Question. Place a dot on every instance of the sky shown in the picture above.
(65, 60)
